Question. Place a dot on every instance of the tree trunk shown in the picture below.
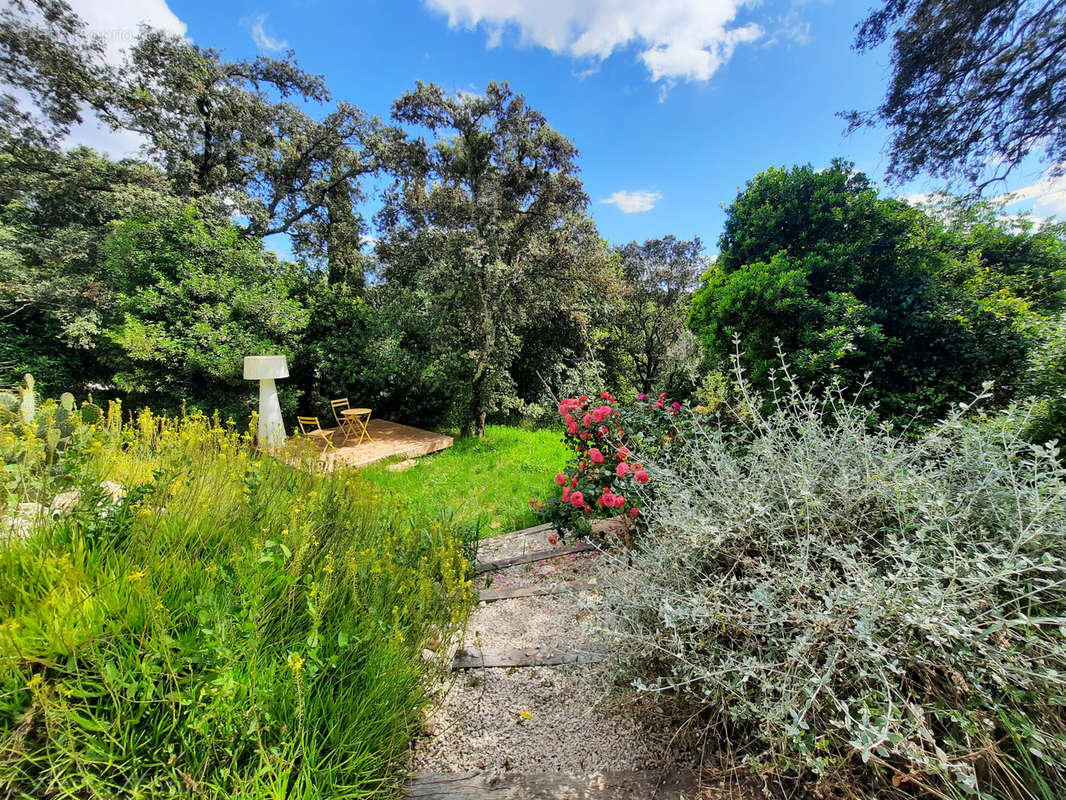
(474, 425)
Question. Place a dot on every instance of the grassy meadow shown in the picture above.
(482, 484)
(232, 627)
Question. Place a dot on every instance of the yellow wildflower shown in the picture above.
(296, 662)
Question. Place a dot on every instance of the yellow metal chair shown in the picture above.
(309, 426)
(338, 407)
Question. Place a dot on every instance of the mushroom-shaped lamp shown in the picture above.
(266, 369)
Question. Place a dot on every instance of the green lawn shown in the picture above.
(486, 482)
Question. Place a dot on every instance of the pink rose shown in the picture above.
(601, 413)
(607, 499)
(571, 428)
(641, 476)
(676, 406)
(560, 479)
(634, 512)
(586, 420)
(566, 494)
(577, 499)
(595, 456)
(642, 397)
(619, 501)
(621, 469)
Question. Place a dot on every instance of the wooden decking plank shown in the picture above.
(490, 595)
(544, 526)
(528, 558)
(480, 658)
(648, 785)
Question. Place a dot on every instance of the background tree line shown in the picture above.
(487, 283)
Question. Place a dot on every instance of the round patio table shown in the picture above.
(355, 422)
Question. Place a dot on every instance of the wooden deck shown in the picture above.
(390, 439)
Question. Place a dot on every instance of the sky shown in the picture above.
(672, 104)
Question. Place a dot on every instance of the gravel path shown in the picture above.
(536, 719)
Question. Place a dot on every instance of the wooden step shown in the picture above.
(528, 558)
(482, 657)
(491, 595)
(650, 785)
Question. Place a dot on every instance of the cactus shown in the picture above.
(66, 400)
(91, 414)
(65, 420)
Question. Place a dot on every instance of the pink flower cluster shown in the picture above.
(595, 427)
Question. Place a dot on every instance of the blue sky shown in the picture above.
(673, 104)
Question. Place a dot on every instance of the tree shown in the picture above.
(57, 209)
(852, 283)
(229, 131)
(49, 68)
(486, 224)
(377, 346)
(974, 83)
(191, 298)
(649, 328)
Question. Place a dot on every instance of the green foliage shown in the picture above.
(231, 627)
(48, 56)
(234, 132)
(191, 298)
(485, 224)
(55, 211)
(855, 609)
(377, 349)
(648, 341)
(852, 283)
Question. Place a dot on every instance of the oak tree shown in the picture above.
(977, 86)
(486, 221)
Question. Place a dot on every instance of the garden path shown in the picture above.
(525, 714)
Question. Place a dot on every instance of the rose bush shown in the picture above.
(610, 441)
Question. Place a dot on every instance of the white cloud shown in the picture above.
(790, 27)
(1047, 195)
(118, 23)
(1042, 198)
(634, 202)
(919, 199)
(677, 39)
(264, 41)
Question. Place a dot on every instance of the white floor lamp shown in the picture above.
(266, 369)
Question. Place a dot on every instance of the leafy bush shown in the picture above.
(854, 603)
(855, 284)
(232, 627)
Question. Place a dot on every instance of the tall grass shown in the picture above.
(233, 627)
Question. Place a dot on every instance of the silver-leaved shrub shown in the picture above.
(843, 601)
